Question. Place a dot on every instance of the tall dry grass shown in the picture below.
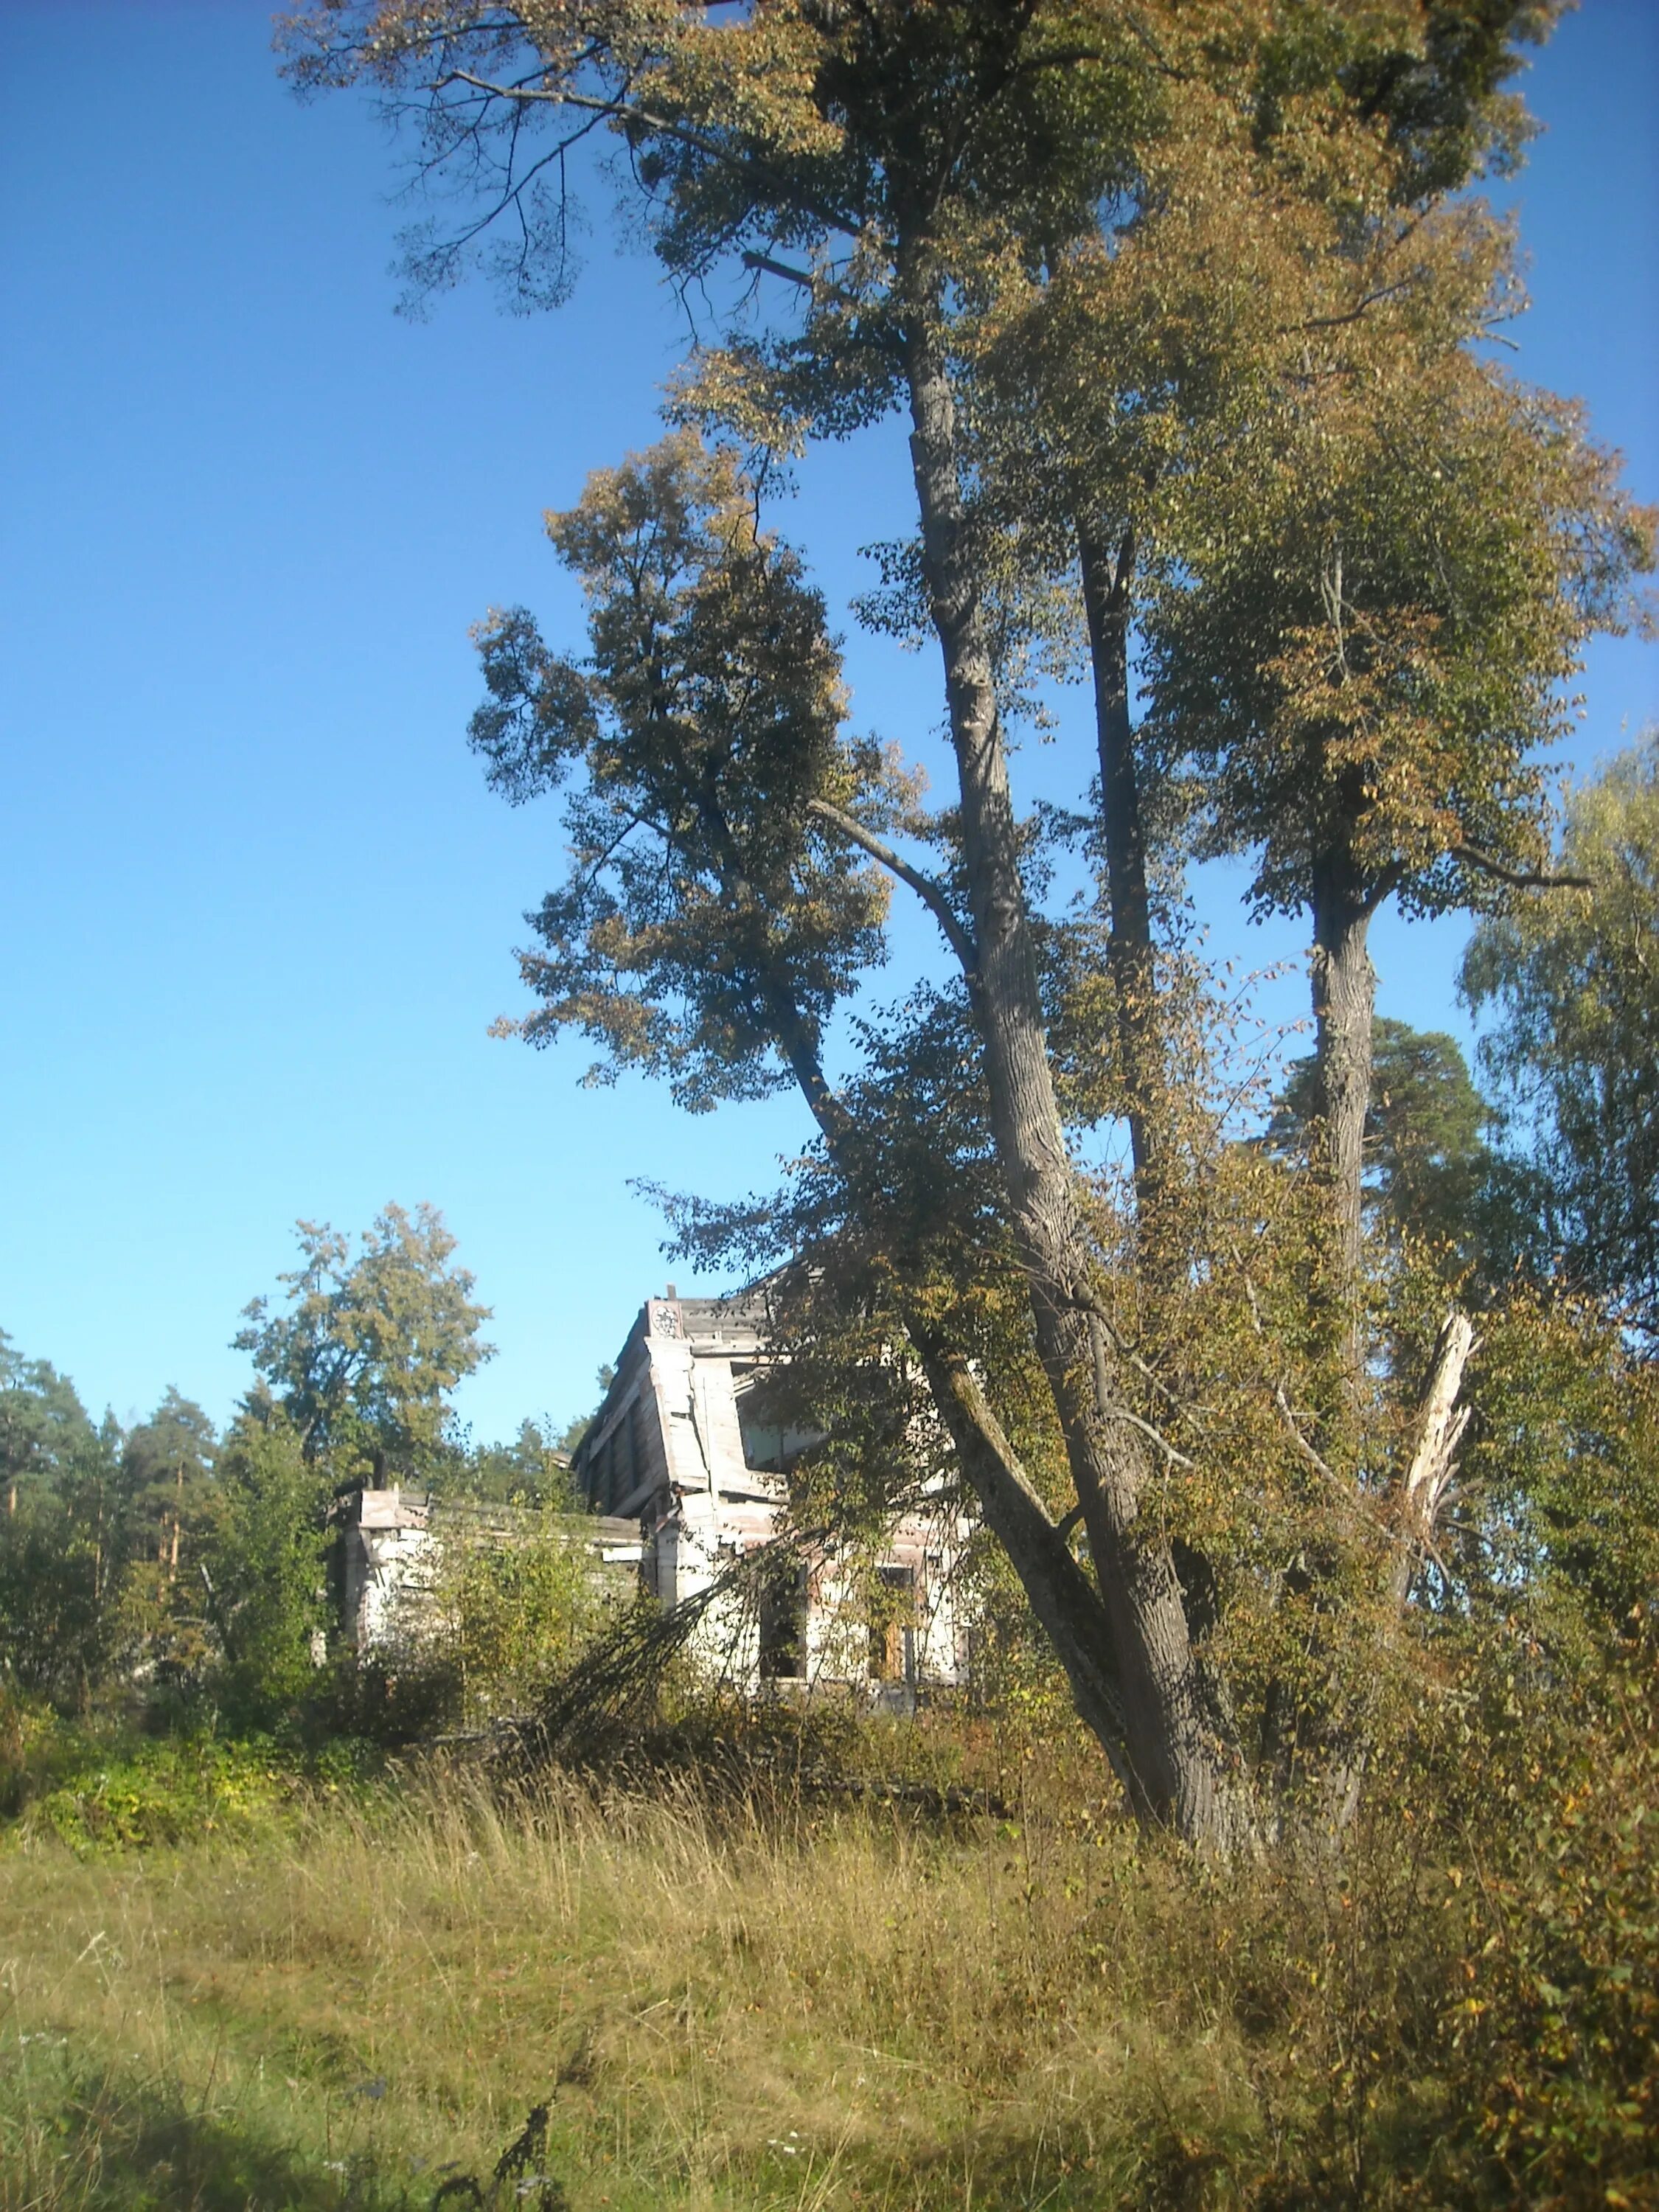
(738, 2006)
(742, 2005)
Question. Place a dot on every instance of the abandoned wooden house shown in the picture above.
(682, 1476)
(684, 1450)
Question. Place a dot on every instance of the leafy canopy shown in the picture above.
(1573, 982)
(361, 1360)
(709, 908)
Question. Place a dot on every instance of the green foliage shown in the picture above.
(1572, 981)
(168, 1474)
(533, 1470)
(1433, 1175)
(100, 1537)
(45, 1442)
(705, 894)
(62, 1534)
(42, 1422)
(1455, 2012)
(138, 1797)
(265, 1571)
(1423, 1134)
(1366, 641)
(514, 1615)
(1197, 284)
(1554, 2064)
(166, 1464)
(1559, 1525)
(164, 1571)
(361, 1361)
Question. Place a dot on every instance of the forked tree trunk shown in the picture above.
(1066, 1604)
(1182, 1771)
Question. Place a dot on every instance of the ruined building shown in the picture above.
(682, 1452)
(682, 1475)
(393, 1542)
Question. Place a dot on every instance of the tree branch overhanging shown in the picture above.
(623, 111)
(930, 893)
(1523, 879)
(765, 265)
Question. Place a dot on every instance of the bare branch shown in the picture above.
(823, 287)
(621, 109)
(1321, 1466)
(1108, 1407)
(764, 262)
(1524, 879)
(1113, 1412)
(930, 893)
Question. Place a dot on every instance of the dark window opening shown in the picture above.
(783, 1625)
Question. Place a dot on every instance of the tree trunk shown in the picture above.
(1344, 1002)
(1437, 1431)
(1106, 579)
(1066, 1604)
(1436, 1434)
(1181, 1768)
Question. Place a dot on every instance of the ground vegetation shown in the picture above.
(328, 1992)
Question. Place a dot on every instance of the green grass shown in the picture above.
(352, 1997)
(731, 2008)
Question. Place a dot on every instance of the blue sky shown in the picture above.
(256, 904)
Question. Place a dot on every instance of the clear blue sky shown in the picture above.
(255, 902)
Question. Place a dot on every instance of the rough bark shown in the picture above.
(1181, 1770)
(1065, 1603)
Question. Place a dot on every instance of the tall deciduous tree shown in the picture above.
(1365, 655)
(870, 170)
(1572, 978)
(855, 156)
(722, 902)
(361, 1358)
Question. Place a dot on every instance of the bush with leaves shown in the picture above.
(519, 1614)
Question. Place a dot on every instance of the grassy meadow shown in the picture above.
(353, 1996)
